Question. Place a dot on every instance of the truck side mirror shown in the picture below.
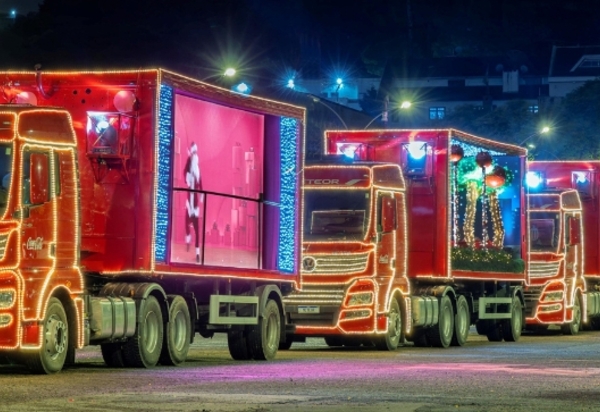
(574, 231)
(388, 214)
(39, 179)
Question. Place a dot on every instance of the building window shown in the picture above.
(437, 113)
(534, 108)
(588, 61)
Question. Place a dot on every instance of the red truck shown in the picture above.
(569, 255)
(138, 208)
(417, 233)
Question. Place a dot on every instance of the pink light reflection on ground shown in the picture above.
(349, 370)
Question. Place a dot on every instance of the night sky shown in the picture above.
(308, 36)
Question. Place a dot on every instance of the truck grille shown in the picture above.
(543, 269)
(531, 296)
(327, 298)
(330, 264)
(317, 295)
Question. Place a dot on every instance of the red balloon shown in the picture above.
(456, 153)
(124, 101)
(483, 159)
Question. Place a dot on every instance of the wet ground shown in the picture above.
(550, 372)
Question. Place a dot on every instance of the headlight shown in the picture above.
(553, 296)
(5, 320)
(365, 298)
(7, 298)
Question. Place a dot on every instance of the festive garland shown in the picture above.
(488, 260)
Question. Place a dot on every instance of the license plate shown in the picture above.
(308, 309)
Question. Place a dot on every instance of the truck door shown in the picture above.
(386, 233)
(37, 214)
(573, 248)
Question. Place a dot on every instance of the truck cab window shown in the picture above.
(41, 167)
(5, 173)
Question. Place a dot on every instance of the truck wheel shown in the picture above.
(494, 332)
(462, 322)
(482, 327)
(112, 354)
(420, 339)
(512, 328)
(178, 333)
(55, 341)
(572, 328)
(238, 345)
(263, 339)
(143, 349)
(394, 335)
(441, 334)
(286, 345)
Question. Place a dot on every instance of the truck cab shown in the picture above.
(354, 256)
(39, 217)
(564, 238)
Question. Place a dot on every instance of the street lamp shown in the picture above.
(543, 130)
(229, 72)
(403, 106)
(317, 100)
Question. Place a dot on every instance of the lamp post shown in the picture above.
(543, 130)
(317, 100)
(403, 106)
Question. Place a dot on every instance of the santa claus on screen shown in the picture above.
(192, 203)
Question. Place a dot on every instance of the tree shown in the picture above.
(576, 135)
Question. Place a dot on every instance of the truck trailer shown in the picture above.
(139, 207)
(417, 234)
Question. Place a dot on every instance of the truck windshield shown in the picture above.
(335, 214)
(544, 231)
(5, 168)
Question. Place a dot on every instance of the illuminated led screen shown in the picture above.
(217, 179)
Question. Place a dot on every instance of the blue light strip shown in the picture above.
(165, 138)
(471, 150)
(287, 249)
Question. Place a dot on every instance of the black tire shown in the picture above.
(287, 344)
(143, 349)
(441, 334)
(494, 333)
(572, 328)
(420, 340)
(334, 341)
(50, 358)
(462, 322)
(178, 333)
(238, 345)
(595, 323)
(512, 328)
(112, 353)
(395, 333)
(263, 339)
(482, 327)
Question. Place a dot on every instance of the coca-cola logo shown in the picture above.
(35, 244)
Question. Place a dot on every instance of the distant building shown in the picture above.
(438, 85)
(570, 68)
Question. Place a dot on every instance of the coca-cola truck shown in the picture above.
(565, 259)
(138, 208)
(416, 233)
